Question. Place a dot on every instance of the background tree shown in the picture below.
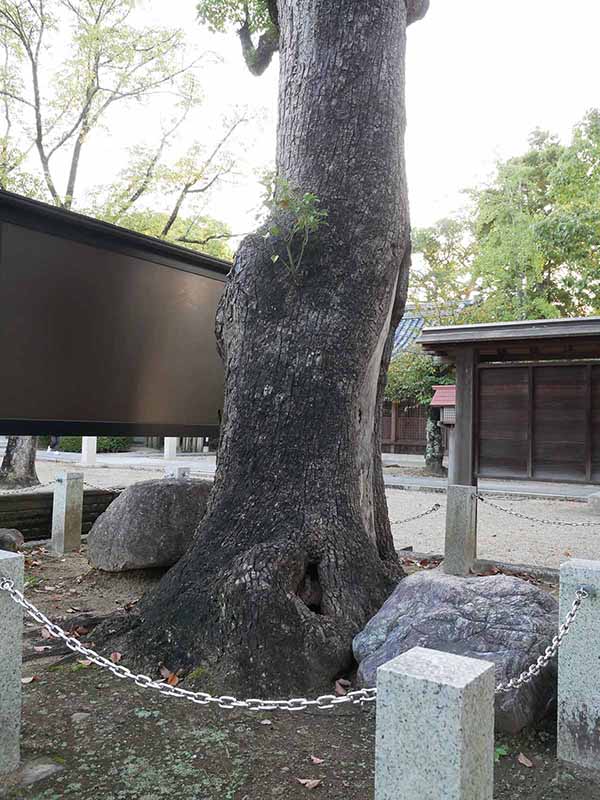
(295, 554)
(411, 377)
(18, 463)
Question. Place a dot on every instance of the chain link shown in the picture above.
(26, 489)
(113, 489)
(435, 507)
(549, 653)
(537, 519)
(324, 702)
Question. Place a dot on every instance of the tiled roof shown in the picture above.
(408, 330)
(444, 396)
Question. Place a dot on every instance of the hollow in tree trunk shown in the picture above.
(295, 553)
(18, 464)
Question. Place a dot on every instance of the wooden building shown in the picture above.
(528, 398)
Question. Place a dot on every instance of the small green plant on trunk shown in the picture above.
(298, 215)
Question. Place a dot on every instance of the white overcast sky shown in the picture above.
(481, 75)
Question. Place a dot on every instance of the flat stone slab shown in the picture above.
(30, 772)
(498, 618)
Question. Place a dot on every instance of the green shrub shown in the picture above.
(106, 444)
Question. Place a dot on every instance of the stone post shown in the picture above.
(579, 667)
(67, 512)
(11, 646)
(461, 530)
(435, 728)
(178, 472)
(171, 443)
(89, 446)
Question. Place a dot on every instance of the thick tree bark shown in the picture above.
(295, 553)
(18, 464)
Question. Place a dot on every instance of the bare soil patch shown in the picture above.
(118, 741)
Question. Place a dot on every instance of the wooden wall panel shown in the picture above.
(503, 422)
(595, 424)
(560, 400)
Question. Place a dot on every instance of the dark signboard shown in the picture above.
(103, 330)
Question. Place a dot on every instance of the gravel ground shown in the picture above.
(501, 537)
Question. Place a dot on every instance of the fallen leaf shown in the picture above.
(310, 783)
(169, 676)
(46, 633)
(344, 682)
(316, 760)
(266, 722)
(526, 762)
(116, 657)
(30, 679)
(339, 689)
(41, 648)
(85, 662)
(567, 553)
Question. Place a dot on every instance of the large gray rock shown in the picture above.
(11, 539)
(498, 618)
(150, 524)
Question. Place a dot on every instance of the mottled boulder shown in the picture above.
(150, 524)
(498, 618)
(11, 539)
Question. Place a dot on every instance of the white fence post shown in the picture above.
(461, 530)
(67, 513)
(579, 667)
(11, 647)
(89, 448)
(171, 443)
(443, 704)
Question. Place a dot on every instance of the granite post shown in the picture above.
(461, 530)
(435, 728)
(181, 473)
(594, 503)
(11, 645)
(67, 513)
(89, 448)
(171, 443)
(579, 667)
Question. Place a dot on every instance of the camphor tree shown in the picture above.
(295, 552)
(18, 464)
(50, 111)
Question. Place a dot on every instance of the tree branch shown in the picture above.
(258, 58)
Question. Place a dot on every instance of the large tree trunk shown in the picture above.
(295, 553)
(18, 464)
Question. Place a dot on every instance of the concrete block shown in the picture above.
(579, 668)
(594, 503)
(67, 512)
(11, 646)
(461, 530)
(435, 728)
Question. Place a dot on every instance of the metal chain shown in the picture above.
(114, 489)
(434, 508)
(537, 519)
(24, 489)
(549, 653)
(325, 701)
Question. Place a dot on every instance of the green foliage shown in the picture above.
(106, 444)
(441, 281)
(413, 374)
(219, 15)
(297, 216)
(529, 247)
(500, 751)
(200, 233)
